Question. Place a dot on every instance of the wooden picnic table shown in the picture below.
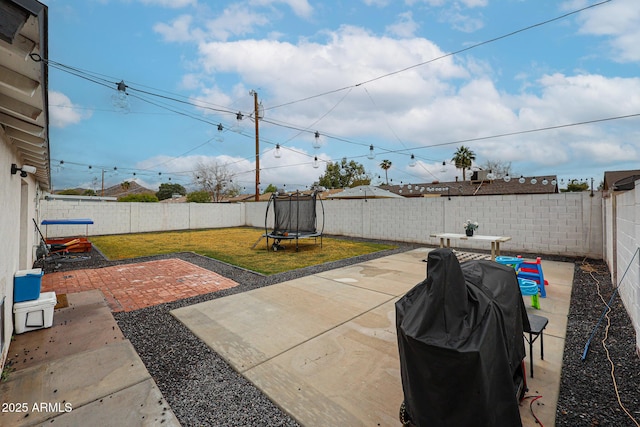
(495, 241)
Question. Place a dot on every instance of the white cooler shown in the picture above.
(35, 314)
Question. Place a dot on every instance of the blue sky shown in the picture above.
(360, 73)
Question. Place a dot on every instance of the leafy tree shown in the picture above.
(125, 185)
(167, 190)
(463, 159)
(142, 197)
(270, 189)
(575, 186)
(199, 197)
(215, 179)
(89, 192)
(386, 165)
(344, 174)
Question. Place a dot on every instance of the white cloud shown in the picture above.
(173, 4)
(236, 20)
(241, 170)
(457, 4)
(461, 21)
(440, 102)
(404, 27)
(63, 113)
(379, 3)
(301, 8)
(619, 21)
(177, 31)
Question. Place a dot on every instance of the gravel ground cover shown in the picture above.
(203, 390)
(590, 394)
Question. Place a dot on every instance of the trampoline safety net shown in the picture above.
(294, 218)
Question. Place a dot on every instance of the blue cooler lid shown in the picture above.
(32, 272)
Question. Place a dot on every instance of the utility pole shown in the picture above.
(257, 119)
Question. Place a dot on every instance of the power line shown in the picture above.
(402, 70)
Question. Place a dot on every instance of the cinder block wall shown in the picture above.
(122, 218)
(627, 260)
(566, 223)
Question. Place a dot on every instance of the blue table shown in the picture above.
(68, 221)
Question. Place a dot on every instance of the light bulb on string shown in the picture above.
(507, 178)
(120, 99)
(277, 153)
(521, 180)
(412, 161)
(237, 127)
(545, 181)
(316, 141)
(219, 137)
(534, 180)
(372, 154)
(443, 169)
(315, 163)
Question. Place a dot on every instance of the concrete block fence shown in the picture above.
(566, 223)
(622, 229)
(124, 218)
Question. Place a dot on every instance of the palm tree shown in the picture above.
(463, 158)
(386, 165)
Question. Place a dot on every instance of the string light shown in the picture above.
(316, 141)
(372, 154)
(119, 99)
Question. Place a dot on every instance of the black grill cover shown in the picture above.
(460, 341)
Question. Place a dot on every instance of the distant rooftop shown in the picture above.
(478, 187)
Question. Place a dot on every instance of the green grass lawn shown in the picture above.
(234, 246)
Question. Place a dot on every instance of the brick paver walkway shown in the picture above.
(133, 286)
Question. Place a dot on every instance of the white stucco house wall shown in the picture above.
(24, 142)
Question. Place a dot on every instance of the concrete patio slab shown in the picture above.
(392, 277)
(555, 307)
(81, 371)
(116, 409)
(71, 382)
(330, 360)
(249, 328)
(86, 324)
(351, 374)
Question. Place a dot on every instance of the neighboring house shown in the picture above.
(364, 192)
(24, 141)
(620, 180)
(478, 186)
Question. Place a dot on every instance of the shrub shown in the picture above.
(143, 197)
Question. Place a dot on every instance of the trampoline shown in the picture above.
(294, 218)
